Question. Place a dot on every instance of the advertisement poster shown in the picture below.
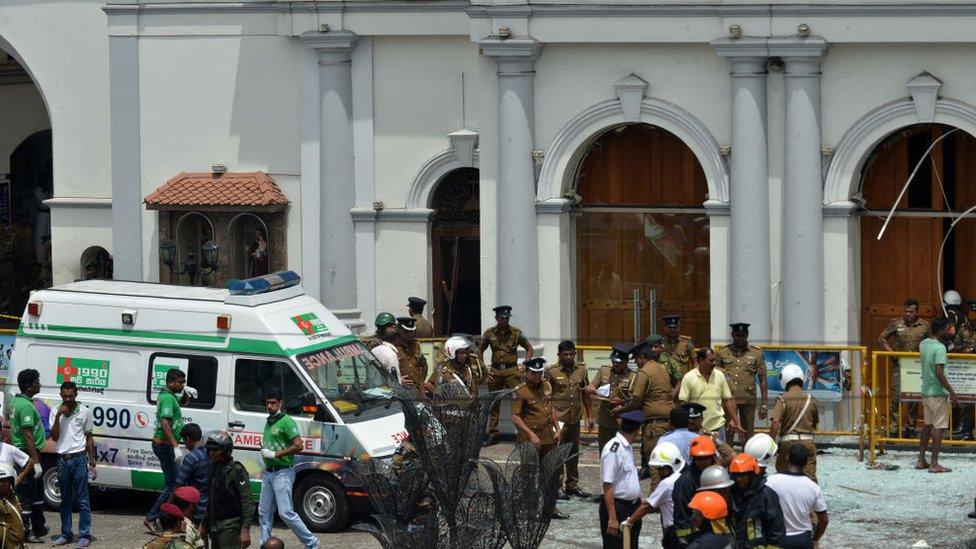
(960, 372)
(90, 375)
(163, 364)
(821, 368)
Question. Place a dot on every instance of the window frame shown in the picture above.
(150, 396)
(299, 414)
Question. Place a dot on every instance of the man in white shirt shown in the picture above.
(668, 460)
(621, 486)
(799, 497)
(71, 431)
(11, 455)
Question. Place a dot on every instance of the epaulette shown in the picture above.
(614, 446)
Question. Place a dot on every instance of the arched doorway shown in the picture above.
(904, 263)
(456, 248)
(641, 231)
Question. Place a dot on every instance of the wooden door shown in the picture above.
(456, 254)
(641, 228)
(905, 262)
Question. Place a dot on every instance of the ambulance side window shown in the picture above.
(252, 376)
(201, 374)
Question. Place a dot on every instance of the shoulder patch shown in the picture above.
(614, 446)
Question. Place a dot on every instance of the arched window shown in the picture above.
(96, 264)
(641, 232)
(251, 250)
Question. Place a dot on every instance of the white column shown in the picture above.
(557, 293)
(749, 292)
(803, 276)
(518, 246)
(337, 175)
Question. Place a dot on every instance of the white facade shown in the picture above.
(358, 123)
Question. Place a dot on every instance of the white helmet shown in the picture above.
(789, 373)
(455, 344)
(951, 297)
(667, 454)
(6, 471)
(762, 447)
(714, 477)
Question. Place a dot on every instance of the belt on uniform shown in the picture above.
(72, 454)
(796, 436)
(627, 501)
(276, 468)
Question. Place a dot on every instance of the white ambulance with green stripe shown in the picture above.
(116, 340)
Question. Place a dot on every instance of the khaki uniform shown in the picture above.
(450, 371)
(788, 407)
(906, 340)
(740, 369)
(424, 329)
(620, 388)
(534, 406)
(11, 525)
(504, 363)
(567, 396)
(654, 384)
(681, 351)
(169, 540)
(413, 364)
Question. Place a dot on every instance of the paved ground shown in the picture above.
(868, 508)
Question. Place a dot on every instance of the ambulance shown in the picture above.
(116, 340)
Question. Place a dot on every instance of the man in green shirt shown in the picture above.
(27, 434)
(936, 392)
(280, 443)
(166, 439)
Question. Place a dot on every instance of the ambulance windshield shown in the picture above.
(349, 377)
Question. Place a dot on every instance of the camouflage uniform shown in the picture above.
(681, 351)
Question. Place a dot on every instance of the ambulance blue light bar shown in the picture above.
(264, 284)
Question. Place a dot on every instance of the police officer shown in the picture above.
(908, 331)
(612, 386)
(415, 307)
(677, 346)
(794, 420)
(230, 506)
(653, 390)
(569, 379)
(621, 487)
(703, 455)
(458, 366)
(742, 363)
(759, 518)
(504, 341)
(534, 415)
(410, 357)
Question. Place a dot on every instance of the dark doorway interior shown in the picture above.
(456, 254)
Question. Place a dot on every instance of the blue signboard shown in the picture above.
(822, 371)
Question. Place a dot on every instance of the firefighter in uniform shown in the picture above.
(413, 364)
(459, 366)
(654, 392)
(703, 455)
(504, 341)
(569, 379)
(534, 415)
(678, 347)
(908, 331)
(794, 420)
(415, 307)
(612, 386)
(758, 519)
(742, 363)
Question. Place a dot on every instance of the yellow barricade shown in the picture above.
(891, 414)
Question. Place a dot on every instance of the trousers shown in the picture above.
(623, 509)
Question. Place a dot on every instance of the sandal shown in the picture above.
(939, 469)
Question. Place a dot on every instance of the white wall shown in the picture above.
(22, 114)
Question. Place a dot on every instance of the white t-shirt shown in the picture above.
(660, 498)
(12, 455)
(386, 354)
(617, 467)
(798, 496)
(73, 430)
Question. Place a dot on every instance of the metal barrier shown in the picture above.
(883, 415)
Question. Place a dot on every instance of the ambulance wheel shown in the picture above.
(321, 503)
(52, 490)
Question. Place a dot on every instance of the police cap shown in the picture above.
(694, 409)
(537, 365)
(416, 303)
(504, 311)
(620, 353)
(636, 416)
(671, 321)
(740, 327)
(407, 323)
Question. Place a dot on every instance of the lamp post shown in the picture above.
(209, 252)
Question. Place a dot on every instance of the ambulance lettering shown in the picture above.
(251, 440)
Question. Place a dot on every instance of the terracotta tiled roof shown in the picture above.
(242, 189)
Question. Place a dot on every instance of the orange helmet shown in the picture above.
(744, 463)
(702, 446)
(710, 504)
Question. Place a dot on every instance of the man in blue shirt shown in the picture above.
(936, 392)
(680, 435)
(195, 468)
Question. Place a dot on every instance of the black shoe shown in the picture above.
(47, 530)
(563, 496)
(578, 493)
(31, 538)
(557, 514)
(490, 441)
(972, 515)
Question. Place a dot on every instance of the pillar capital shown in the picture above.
(746, 55)
(515, 56)
(801, 56)
(332, 46)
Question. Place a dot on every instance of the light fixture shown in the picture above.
(803, 29)
(128, 317)
(210, 253)
(223, 322)
(167, 251)
(324, 27)
(34, 308)
(218, 170)
(735, 31)
(504, 33)
(775, 64)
